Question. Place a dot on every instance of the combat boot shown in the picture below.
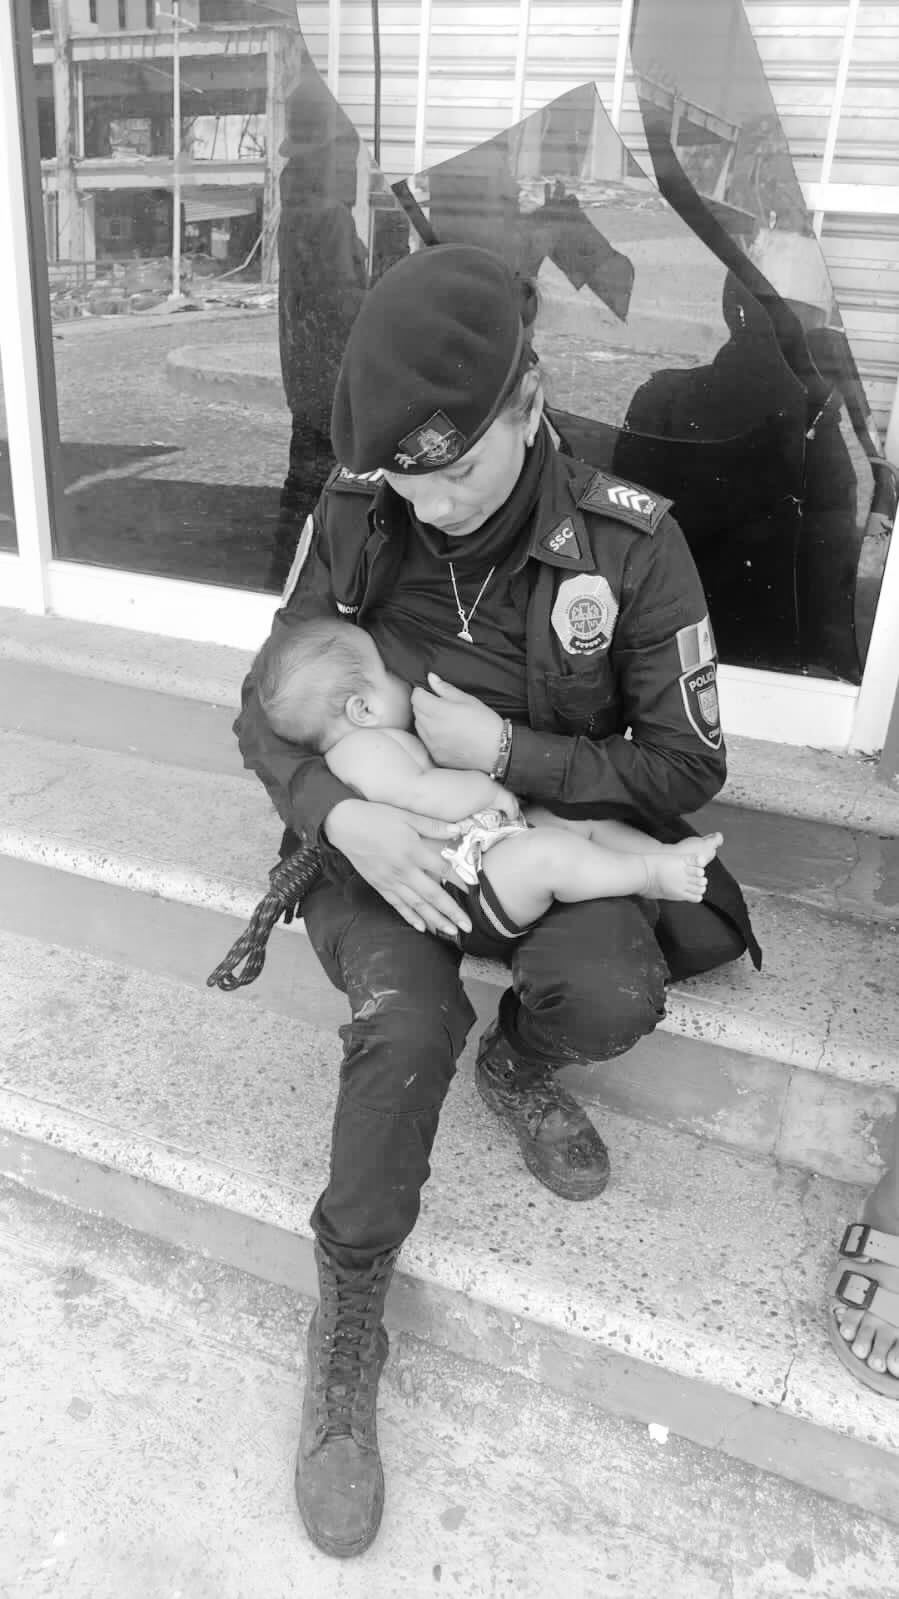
(339, 1479)
(559, 1142)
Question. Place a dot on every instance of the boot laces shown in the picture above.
(349, 1322)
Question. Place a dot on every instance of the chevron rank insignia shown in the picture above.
(627, 502)
(360, 482)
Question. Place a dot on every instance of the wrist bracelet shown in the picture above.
(504, 754)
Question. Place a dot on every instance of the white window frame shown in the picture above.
(789, 708)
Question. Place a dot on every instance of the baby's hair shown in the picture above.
(305, 673)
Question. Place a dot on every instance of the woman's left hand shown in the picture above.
(456, 729)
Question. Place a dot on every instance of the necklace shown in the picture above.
(464, 631)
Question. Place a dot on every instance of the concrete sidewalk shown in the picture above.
(150, 1418)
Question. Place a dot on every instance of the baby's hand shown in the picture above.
(507, 803)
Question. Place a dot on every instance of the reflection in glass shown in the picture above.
(7, 510)
(687, 326)
(184, 360)
(689, 331)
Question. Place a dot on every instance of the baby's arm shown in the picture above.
(386, 770)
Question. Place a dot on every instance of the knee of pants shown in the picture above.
(400, 1054)
(592, 999)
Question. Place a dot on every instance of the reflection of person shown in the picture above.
(765, 492)
(321, 281)
(564, 609)
(324, 685)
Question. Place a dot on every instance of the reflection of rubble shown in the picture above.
(130, 288)
(107, 138)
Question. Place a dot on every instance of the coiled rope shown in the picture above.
(291, 880)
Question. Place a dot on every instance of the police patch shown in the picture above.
(584, 614)
(435, 444)
(562, 541)
(699, 690)
(301, 555)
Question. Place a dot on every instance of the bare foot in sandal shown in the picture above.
(864, 1300)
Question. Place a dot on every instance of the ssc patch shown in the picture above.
(562, 541)
(584, 614)
(699, 690)
(436, 443)
(695, 645)
(628, 502)
(301, 555)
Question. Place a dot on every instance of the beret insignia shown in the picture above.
(438, 442)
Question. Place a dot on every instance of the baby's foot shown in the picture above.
(677, 871)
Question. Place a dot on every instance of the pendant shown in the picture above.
(464, 634)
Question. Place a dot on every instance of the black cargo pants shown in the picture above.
(587, 982)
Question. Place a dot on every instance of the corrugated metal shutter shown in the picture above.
(471, 95)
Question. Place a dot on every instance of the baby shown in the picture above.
(323, 684)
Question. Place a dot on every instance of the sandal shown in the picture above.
(864, 1290)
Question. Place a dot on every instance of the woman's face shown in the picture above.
(459, 499)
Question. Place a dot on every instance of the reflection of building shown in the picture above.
(104, 72)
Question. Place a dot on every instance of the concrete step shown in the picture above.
(690, 1295)
(799, 1061)
(840, 865)
(817, 785)
(171, 1385)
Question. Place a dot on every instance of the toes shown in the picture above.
(893, 1360)
(847, 1320)
(884, 1339)
(863, 1341)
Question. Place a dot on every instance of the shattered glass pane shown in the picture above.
(688, 330)
(685, 320)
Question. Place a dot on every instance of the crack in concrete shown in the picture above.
(784, 1274)
(43, 787)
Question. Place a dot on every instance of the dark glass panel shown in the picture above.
(7, 510)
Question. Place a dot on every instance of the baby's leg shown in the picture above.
(528, 872)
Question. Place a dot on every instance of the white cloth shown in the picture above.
(482, 831)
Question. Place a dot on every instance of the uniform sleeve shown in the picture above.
(299, 784)
(662, 657)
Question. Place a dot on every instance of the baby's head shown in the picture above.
(318, 681)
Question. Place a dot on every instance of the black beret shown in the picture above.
(433, 355)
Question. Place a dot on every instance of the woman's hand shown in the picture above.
(394, 851)
(455, 728)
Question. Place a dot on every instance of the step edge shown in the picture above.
(701, 1018)
(550, 1352)
(840, 788)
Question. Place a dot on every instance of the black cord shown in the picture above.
(291, 880)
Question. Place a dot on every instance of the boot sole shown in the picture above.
(574, 1190)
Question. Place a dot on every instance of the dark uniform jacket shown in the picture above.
(618, 643)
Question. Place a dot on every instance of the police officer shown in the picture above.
(543, 610)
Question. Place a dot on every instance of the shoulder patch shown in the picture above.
(699, 691)
(627, 502)
(357, 482)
